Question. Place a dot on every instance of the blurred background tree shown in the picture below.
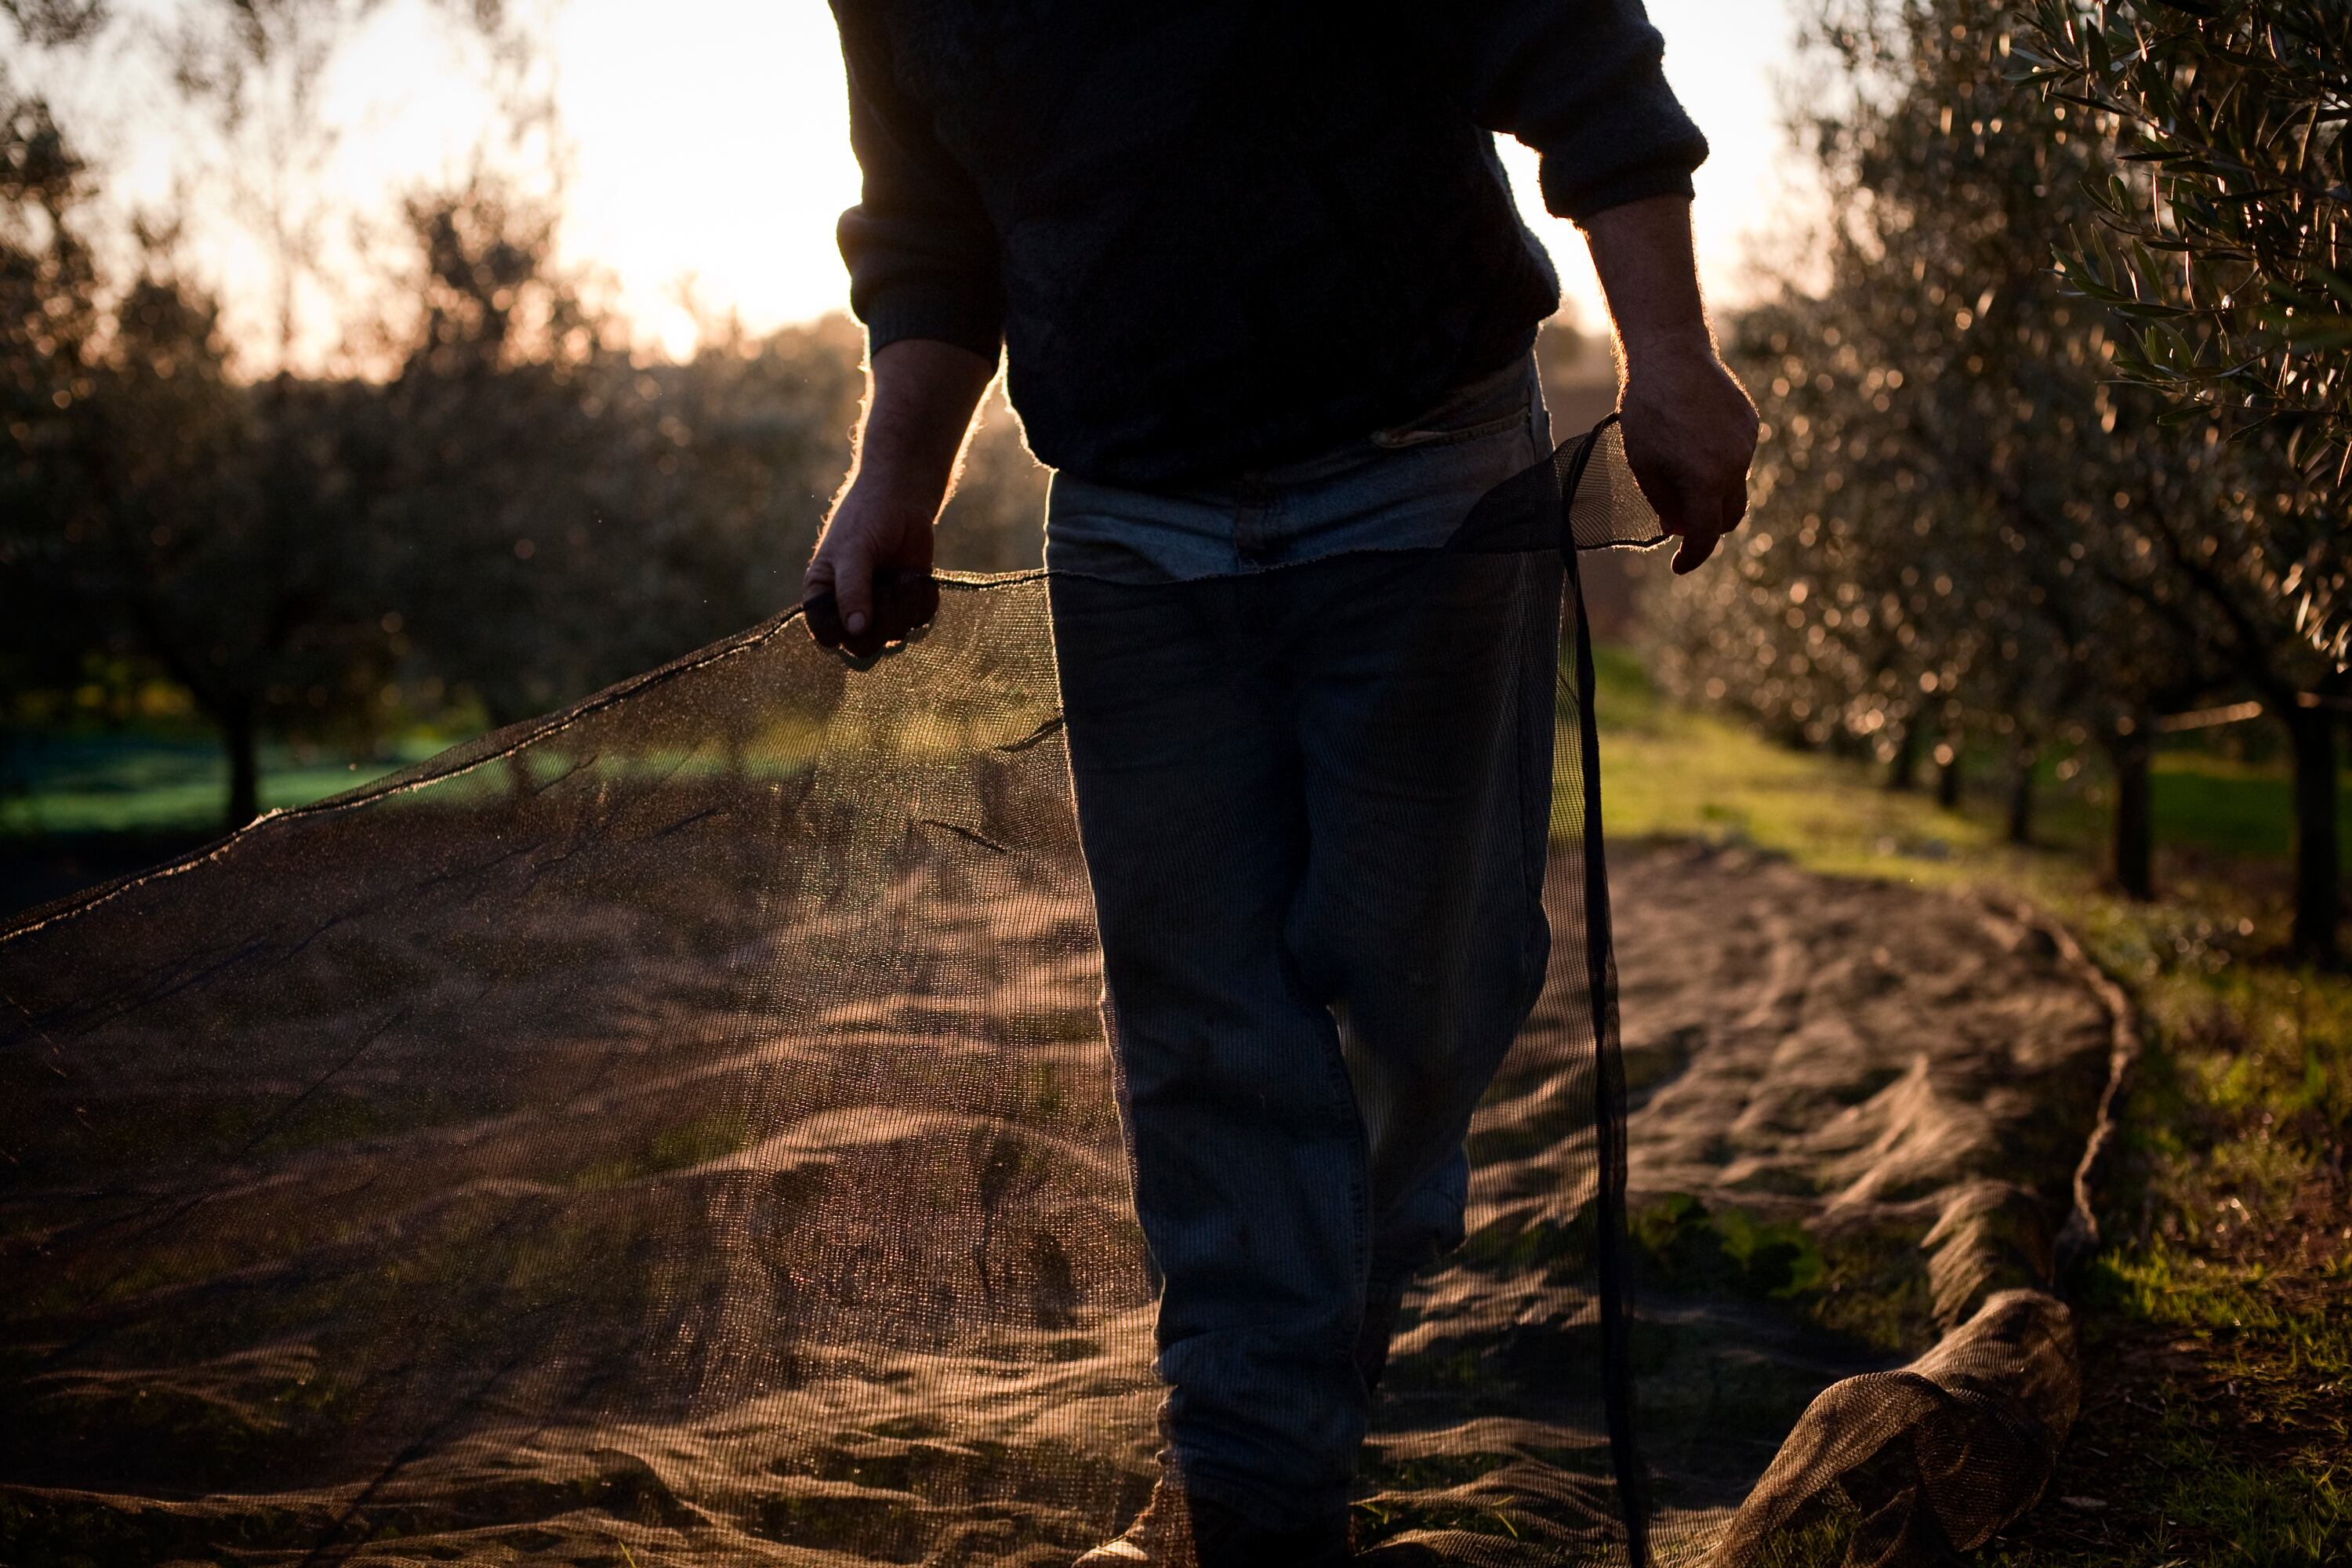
(495, 505)
(48, 315)
(1968, 524)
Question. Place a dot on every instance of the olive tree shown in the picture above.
(1953, 454)
(2224, 240)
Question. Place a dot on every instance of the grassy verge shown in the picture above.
(140, 781)
(81, 807)
(2217, 1322)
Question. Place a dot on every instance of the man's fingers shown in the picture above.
(818, 611)
(1695, 547)
(903, 601)
(853, 584)
(1657, 484)
(850, 602)
(1700, 518)
(1699, 543)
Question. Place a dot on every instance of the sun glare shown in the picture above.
(712, 158)
(713, 153)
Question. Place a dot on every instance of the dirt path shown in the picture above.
(1856, 1110)
(553, 1161)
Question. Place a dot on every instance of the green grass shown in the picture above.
(1671, 773)
(1668, 771)
(142, 782)
(2232, 808)
(2217, 1322)
(2220, 1435)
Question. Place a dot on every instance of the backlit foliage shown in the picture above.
(2223, 244)
(1967, 523)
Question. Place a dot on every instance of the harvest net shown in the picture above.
(680, 1130)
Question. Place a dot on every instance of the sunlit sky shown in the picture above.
(708, 153)
(760, 86)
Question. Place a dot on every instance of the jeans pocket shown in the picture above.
(1486, 407)
(1403, 436)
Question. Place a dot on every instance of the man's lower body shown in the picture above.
(1314, 793)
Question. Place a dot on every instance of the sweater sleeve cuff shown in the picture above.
(1582, 202)
(940, 315)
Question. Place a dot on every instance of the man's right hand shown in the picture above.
(869, 583)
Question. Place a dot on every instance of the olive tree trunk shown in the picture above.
(2135, 820)
(241, 738)
(1903, 772)
(2319, 876)
(2020, 827)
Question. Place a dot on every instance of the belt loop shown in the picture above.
(1254, 503)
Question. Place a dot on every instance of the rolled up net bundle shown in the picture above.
(680, 1130)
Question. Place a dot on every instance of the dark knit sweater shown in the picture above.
(1217, 234)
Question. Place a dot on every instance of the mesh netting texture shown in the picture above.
(681, 1130)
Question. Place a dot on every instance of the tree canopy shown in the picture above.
(1969, 524)
(2222, 235)
(521, 509)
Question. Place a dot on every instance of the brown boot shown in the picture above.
(1178, 1531)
